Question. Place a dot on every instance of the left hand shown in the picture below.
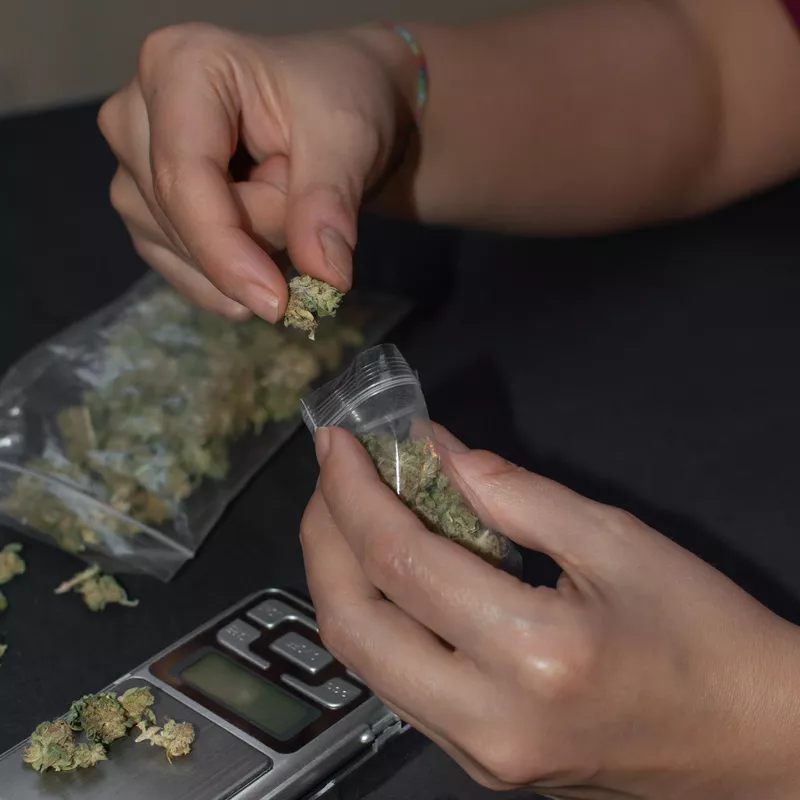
(645, 674)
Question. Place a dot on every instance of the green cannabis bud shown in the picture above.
(3, 648)
(412, 469)
(103, 718)
(136, 703)
(168, 394)
(100, 716)
(175, 737)
(97, 588)
(52, 747)
(11, 562)
(3, 602)
(310, 299)
(87, 755)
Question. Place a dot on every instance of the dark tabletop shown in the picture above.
(655, 370)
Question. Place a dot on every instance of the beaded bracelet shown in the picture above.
(422, 67)
(406, 135)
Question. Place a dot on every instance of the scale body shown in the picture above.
(276, 716)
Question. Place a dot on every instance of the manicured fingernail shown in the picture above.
(261, 301)
(322, 443)
(337, 252)
(283, 188)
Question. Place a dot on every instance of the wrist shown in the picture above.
(769, 721)
(398, 63)
(403, 68)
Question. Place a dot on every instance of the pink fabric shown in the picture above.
(793, 7)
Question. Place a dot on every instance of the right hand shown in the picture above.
(317, 113)
(645, 674)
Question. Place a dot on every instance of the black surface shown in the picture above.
(219, 764)
(656, 370)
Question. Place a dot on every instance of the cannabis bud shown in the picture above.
(167, 395)
(104, 718)
(175, 737)
(412, 469)
(98, 589)
(11, 562)
(136, 704)
(52, 746)
(100, 716)
(310, 299)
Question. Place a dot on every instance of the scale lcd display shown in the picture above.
(254, 698)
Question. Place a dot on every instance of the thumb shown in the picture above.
(327, 175)
(538, 513)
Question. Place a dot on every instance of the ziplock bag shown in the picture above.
(379, 400)
(125, 437)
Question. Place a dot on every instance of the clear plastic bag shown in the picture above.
(379, 400)
(125, 437)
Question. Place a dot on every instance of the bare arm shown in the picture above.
(592, 115)
(579, 117)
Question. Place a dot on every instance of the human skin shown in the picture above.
(644, 674)
(584, 116)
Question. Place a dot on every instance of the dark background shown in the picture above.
(656, 370)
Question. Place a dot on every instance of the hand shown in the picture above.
(644, 674)
(317, 114)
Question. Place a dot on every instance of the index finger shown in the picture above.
(401, 661)
(193, 135)
(472, 605)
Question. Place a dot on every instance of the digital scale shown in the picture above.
(276, 717)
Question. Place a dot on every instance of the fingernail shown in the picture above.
(322, 444)
(237, 312)
(261, 301)
(283, 188)
(337, 252)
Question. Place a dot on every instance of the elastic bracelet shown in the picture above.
(422, 67)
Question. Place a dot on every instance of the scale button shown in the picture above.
(237, 637)
(334, 694)
(297, 649)
(272, 613)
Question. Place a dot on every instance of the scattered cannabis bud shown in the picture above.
(11, 562)
(168, 394)
(87, 755)
(97, 588)
(175, 737)
(136, 703)
(412, 469)
(104, 718)
(100, 716)
(53, 747)
(310, 299)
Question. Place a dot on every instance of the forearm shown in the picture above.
(592, 115)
